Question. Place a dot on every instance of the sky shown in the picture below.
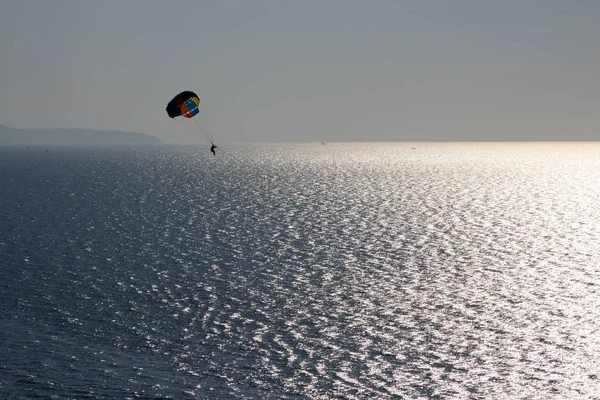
(306, 70)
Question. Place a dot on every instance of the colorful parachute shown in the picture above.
(185, 105)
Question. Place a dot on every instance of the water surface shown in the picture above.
(301, 271)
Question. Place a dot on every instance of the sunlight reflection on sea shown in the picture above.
(356, 271)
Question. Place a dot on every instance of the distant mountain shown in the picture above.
(65, 137)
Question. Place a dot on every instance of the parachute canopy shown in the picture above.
(185, 104)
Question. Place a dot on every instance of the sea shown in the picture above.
(301, 271)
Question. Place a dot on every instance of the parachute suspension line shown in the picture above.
(207, 136)
(209, 132)
(188, 128)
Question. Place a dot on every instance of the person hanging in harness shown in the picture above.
(212, 148)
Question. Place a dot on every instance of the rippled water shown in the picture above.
(301, 271)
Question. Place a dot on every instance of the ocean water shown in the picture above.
(301, 271)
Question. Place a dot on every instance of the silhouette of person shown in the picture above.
(212, 148)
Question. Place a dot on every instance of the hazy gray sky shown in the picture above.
(306, 70)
